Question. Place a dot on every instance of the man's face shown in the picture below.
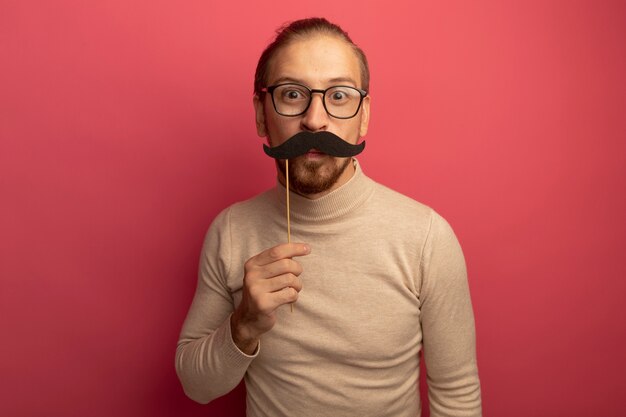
(318, 62)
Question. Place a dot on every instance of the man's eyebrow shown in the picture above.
(298, 81)
(287, 80)
(342, 80)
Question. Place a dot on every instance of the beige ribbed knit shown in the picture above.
(385, 277)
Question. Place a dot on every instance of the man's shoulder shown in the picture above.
(402, 209)
(252, 209)
(264, 199)
(404, 217)
(398, 204)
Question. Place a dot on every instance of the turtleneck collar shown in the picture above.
(333, 205)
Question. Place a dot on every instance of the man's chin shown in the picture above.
(316, 175)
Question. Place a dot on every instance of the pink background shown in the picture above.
(125, 127)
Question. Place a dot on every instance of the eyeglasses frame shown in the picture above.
(270, 89)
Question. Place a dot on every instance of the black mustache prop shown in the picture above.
(324, 141)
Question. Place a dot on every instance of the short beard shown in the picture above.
(312, 177)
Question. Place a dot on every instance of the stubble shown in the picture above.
(314, 177)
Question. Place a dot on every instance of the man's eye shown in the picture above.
(293, 95)
(338, 96)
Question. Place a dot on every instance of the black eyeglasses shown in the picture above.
(340, 101)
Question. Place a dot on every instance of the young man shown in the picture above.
(375, 276)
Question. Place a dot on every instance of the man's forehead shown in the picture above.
(321, 60)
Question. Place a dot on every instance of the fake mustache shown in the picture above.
(304, 141)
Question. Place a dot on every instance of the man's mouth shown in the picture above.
(314, 153)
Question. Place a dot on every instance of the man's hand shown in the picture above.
(271, 279)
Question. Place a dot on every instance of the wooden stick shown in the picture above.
(288, 220)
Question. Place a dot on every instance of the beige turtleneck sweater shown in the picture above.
(385, 278)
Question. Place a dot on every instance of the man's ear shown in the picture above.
(365, 116)
(260, 116)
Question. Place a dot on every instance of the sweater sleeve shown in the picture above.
(208, 362)
(448, 326)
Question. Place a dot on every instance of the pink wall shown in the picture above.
(126, 126)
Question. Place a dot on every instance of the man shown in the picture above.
(374, 277)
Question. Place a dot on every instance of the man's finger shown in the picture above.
(280, 267)
(285, 296)
(282, 251)
(282, 281)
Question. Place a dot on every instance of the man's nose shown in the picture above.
(315, 118)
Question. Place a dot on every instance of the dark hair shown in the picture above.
(300, 29)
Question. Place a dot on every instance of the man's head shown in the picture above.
(316, 55)
(299, 30)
